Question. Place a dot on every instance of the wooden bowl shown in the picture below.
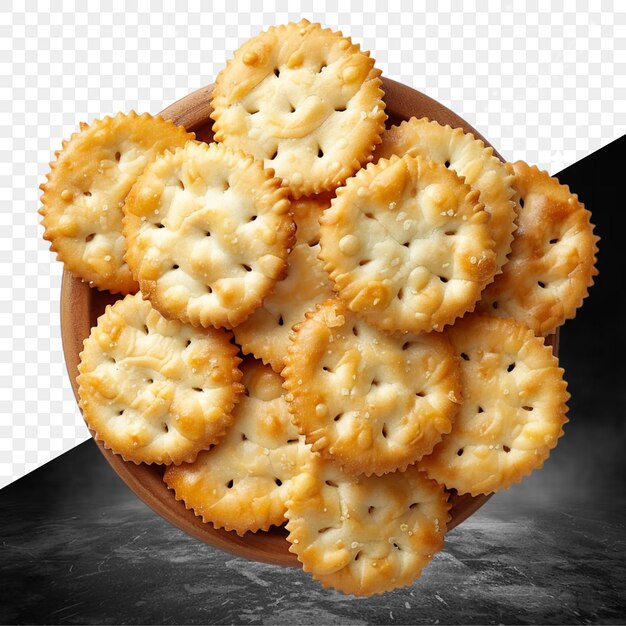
(81, 306)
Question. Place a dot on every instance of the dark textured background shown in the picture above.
(78, 547)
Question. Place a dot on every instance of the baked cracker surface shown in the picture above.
(408, 245)
(241, 483)
(305, 100)
(208, 232)
(86, 189)
(265, 334)
(469, 158)
(513, 410)
(155, 390)
(365, 535)
(553, 256)
(370, 402)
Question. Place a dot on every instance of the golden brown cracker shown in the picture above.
(86, 189)
(306, 101)
(408, 245)
(365, 536)
(370, 402)
(208, 233)
(513, 411)
(155, 390)
(553, 257)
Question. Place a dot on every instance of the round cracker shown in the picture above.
(155, 390)
(241, 484)
(408, 245)
(361, 535)
(265, 334)
(370, 402)
(86, 188)
(513, 411)
(469, 158)
(306, 100)
(553, 257)
(208, 233)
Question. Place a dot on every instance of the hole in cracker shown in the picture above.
(90, 237)
(450, 232)
(276, 72)
(175, 267)
(528, 408)
(542, 285)
(230, 483)
(197, 388)
(274, 155)
(400, 293)
(253, 218)
(414, 505)
(357, 555)
(364, 261)
(406, 244)
(208, 233)
(370, 216)
(246, 267)
(281, 321)
(337, 417)
(371, 509)
(278, 482)
(324, 530)
(553, 241)
(209, 289)
(340, 109)
(374, 383)
(355, 331)
(396, 546)
(325, 369)
(149, 380)
(121, 412)
(118, 156)
(225, 185)
(464, 356)
(188, 343)
(165, 427)
(443, 279)
(511, 367)
(447, 163)
(384, 431)
(460, 452)
(292, 441)
(331, 483)
(314, 242)
(87, 193)
(251, 110)
(243, 437)
(320, 153)
(159, 225)
(406, 345)
(494, 305)
(145, 329)
(421, 394)
(480, 410)
(292, 109)
(521, 202)
(506, 448)
(181, 184)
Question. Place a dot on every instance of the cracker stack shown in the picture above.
(346, 260)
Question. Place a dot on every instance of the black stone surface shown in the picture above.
(76, 546)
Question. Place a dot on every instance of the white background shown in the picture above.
(547, 86)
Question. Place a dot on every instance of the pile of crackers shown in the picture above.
(326, 322)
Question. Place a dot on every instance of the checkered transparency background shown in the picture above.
(543, 85)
